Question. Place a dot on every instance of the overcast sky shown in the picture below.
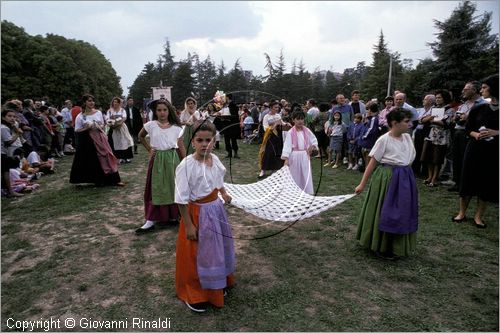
(330, 35)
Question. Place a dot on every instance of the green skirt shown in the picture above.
(368, 234)
(163, 177)
(186, 138)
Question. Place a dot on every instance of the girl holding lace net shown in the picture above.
(205, 259)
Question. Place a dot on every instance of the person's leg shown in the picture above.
(234, 143)
(463, 205)
(434, 173)
(478, 216)
(227, 142)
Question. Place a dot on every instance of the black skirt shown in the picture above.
(86, 167)
(480, 170)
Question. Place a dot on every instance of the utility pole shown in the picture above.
(390, 75)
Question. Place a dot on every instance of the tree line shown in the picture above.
(464, 50)
(55, 68)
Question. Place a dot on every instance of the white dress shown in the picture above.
(298, 159)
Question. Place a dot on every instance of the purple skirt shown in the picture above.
(215, 258)
(399, 214)
(160, 213)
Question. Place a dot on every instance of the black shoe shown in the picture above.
(458, 220)
(198, 307)
(479, 225)
(144, 230)
(236, 156)
(135, 152)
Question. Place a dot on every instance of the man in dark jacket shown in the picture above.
(134, 121)
(232, 131)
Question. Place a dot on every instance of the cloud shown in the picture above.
(325, 34)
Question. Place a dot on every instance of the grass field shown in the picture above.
(71, 252)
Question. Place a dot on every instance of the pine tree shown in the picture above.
(463, 42)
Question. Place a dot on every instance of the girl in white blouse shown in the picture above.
(388, 221)
(205, 259)
(166, 149)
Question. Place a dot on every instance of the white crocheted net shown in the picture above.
(278, 198)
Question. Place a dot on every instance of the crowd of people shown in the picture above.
(447, 141)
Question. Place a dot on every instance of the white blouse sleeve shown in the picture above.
(378, 149)
(123, 114)
(182, 190)
(287, 146)
(313, 141)
(147, 126)
(221, 171)
(411, 147)
(79, 123)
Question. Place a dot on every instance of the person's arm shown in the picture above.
(181, 150)
(191, 232)
(366, 175)
(145, 143)
(227, 198)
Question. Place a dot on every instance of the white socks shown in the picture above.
(148, 224)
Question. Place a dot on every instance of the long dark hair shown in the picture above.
(172, 115)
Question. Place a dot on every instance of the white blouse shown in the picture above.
(269, 120)
(82, 119)
(195, 180)
(389, 150)
(162, 138)
(112, 114)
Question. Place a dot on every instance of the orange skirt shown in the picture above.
(187, 283)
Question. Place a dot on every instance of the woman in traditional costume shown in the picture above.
(166, 149)
(205, 259)
(272, 143)
(119, 136)
(94, 161)
(389, 217)
(187, 117)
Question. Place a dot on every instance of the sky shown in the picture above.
(328, 35)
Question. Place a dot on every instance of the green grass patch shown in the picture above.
(72, 249)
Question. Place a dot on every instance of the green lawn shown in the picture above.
(70, 252)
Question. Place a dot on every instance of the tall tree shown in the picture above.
(183, 82)
(463, 42)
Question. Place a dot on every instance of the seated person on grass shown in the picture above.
(39, 159)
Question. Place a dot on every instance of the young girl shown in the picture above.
(335, 130)
(166, 149)
(297, 148)
(353, 135)
(389, 216)
(205, 259)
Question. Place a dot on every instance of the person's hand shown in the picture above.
(191, 232)
(152, 152)
(286, 163)
(227, 198)
(310, 150)
(359, 189)
(485, 133)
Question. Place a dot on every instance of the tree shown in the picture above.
(55, 67)
(464, 44)
(183, 82)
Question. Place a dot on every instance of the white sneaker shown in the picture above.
(349, 167)
(345, 161)
(356, 167)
